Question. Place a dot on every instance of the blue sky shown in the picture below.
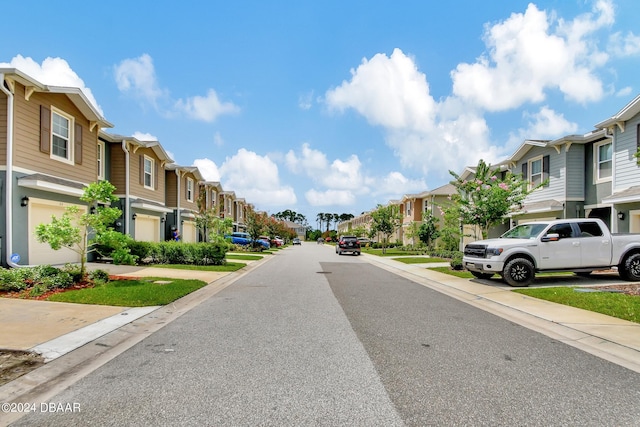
(335, 106)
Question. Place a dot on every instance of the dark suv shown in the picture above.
(348, 244)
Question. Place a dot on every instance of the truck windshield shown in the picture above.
(524, 231)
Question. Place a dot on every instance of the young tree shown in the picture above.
(214, 226)
(428, 230)
(450, 233)
(72, 230)
(486, 200)
(256, 225)
(385, 220)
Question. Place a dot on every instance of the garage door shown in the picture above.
(147, 228)
(40, 212)
(189, 232)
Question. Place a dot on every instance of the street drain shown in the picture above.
(323, 272)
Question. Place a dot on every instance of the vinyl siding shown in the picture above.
(27, 152)
(556, 188)
(116, 167)
(627, 172)
(184, 203)
(575, 172)
(172, 191)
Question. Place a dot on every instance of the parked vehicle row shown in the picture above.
(244, 239)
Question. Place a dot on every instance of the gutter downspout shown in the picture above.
(178, 215)
(126, 187)
(9, 177)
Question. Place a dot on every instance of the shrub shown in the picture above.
(74, 271)
(456, 261)
(14, 279)
(140, 250)
(123, 256)
(99, 276)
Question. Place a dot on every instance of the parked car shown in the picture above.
(296, 241)
(244, 239)
(578, 245)
(278, 241)
(348, 244)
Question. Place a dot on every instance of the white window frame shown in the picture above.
(408, 208)
(597, 162)
(100, 160)
(151, 161)
(531, 174)
(70, 141)
(190, 189)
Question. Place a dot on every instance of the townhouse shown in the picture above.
(53, 143)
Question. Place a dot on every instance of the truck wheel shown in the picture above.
(630, 268)
(479, 275)
(518, 272)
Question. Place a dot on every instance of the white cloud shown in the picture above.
(138, 76)
(208, 169)
(395, 184)
(312, 162)
(625, 91)
(526, 57)
(217, 140)
(330, 197)
(624, 45)
(388, 91)
(546, 123)
(52, 72)
(205, 108)
(305, 101)
(255, 178)
(143, 136)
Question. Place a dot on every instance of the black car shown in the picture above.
(348, 244)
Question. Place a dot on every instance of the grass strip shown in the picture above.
(230, 266)
(244, 257)
(614, 304)
(132, 293)
(420, 260)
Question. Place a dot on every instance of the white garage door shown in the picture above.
(147, 228)
(40, 212)
(189, 232)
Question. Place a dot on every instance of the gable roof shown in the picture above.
(76, 95)
(628, 111)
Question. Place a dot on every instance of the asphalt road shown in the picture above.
(315, 339)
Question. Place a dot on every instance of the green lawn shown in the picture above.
(392, 252)
(244, 257)
(420, 260)
(132, 293)
(230, 266)
(618, 305)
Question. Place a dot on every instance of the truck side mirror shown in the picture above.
(551, 237)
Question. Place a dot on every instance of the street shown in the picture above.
(314, 338)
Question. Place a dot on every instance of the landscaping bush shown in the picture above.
(140, 250)
(14, 279)
(99, 276)
(211, 253)
(456, 261)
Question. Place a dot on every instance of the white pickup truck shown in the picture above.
(578, 245)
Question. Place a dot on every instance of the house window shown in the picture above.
(190, 189)
(148, 172)
(535, 176)
(603, 161)
(408, 207)
(100, 159)
(61, 147)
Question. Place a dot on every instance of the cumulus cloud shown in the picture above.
(137, 76)
(205, 108)
(532, 52)
(143, 136)
(255, 178)
(53, 72)
(425, 135)
(208, 169)
(330, 197)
